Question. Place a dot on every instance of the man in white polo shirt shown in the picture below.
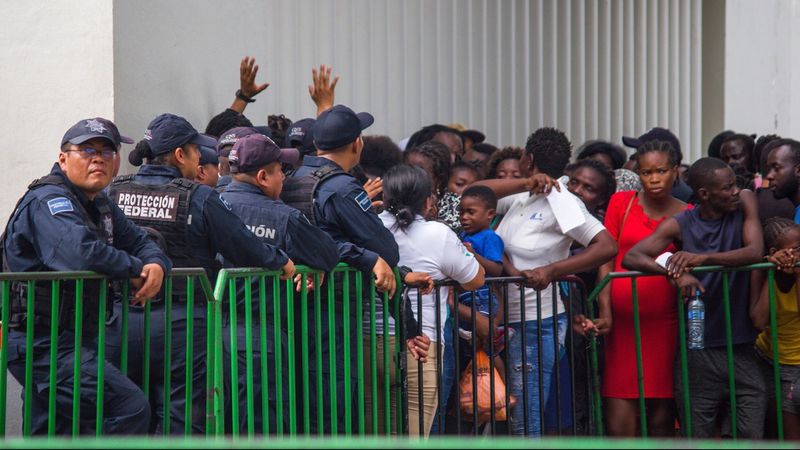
(538, 228)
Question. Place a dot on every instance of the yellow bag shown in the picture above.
(484, 387)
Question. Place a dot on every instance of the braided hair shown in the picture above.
(439, 155)
(658, 146)
(774, 229)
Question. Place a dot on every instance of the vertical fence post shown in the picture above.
(76, 370)
(248, 350)
(360, 351)
(726, 301)
(189, 380)
(234, 349)
(637, 337)
(101, 356)
(262, 340)
(776, 367)
(29, 330)
(291, 358)
(687, 409)
(4, 314)
(55, 294)
(304, 351)
(346, 357)
(276, 301)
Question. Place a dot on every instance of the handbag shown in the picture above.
(482, 397)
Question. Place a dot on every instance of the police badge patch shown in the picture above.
(363, 201)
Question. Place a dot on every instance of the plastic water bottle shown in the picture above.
(697, 322)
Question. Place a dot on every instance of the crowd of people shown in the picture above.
(441, 205)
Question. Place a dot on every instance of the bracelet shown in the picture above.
(243, 97)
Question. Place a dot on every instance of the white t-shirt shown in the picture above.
(533, 238)
(433, 248)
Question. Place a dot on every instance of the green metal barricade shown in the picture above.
(68, 316)
(682, 347)
(322, 376)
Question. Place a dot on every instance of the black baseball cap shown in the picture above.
(208, 154)
(301, 133)
(97, 127)
(254, 151)
(339, 126)
(228, 138)
(655, 134)
(167, 132)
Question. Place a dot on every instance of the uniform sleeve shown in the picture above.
(134, 240)
(457, 262)
(231, 238)
(365, 230)
(64, 242)
(584, 233)
(310, 246)
(493, 248)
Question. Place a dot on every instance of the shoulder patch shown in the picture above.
(59, 205)
(363, 201)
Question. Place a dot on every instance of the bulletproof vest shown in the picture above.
(103, 228)
(298, 192)
(163, 207)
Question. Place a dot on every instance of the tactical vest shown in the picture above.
(164, 208)
(42, 308)
(298, 192)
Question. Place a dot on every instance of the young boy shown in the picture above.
(477, 210)
(723, 230)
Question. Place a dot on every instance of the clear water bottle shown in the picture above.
(697, 322)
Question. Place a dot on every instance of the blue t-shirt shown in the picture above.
(489, 245)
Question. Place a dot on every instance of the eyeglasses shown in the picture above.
(89, 152)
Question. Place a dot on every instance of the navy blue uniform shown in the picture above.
(285, 227)
(212, 228)
(343, 210)
(57, 228)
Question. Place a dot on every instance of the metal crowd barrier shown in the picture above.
(682, 348)
(570, 356)
(78, 281)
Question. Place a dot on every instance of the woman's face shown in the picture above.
(657, 174)
(588, 185)
(509, 169)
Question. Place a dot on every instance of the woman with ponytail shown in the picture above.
(428, 247)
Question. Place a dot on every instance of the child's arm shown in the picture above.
(759, 299)
(602, 324)
(492, 268)
(481, 321)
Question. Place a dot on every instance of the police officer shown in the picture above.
(224, 146)
(66, 223)
(196, 225)
(342, 208)
(208, 170)
(254, 196)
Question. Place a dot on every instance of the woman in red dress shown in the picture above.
(631, 217)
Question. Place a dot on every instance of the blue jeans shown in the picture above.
(532, 402)
(448, 375)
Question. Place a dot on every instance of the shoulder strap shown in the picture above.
(123, 178)
(625, 217)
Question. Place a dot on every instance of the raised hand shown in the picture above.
(322, 90)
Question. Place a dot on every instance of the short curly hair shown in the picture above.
(500, 156)
(550, 150)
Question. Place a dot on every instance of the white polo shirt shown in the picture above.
(533, 238)
(433, 248)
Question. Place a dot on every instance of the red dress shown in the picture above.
(658, 313)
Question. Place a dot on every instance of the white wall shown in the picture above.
(57, 68)
(594, 69)
(762, 73)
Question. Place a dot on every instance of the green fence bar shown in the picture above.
(51, 400)
(346, 328)
(637, 330)
(360, 352)
(167, 354)
(26, 409)
(248, 333)
(101, 356)
(304, 352)
(146, 351)
(123, 345)
(276, 296)
(76, 373)
(290, 355)
(4, 318)
(373, 355)
(318, 343)
(189, 361)
(726, 302)
(776, 367)
(683, 351)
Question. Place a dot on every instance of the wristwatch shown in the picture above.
(243, 97)
(404, 270)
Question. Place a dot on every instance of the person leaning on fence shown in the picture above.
(427, 247)
(66, 223)
(631, 217)
(323, 190)
(782, 241)
(723, 230)
(537, 247)
(254, 196)
(196, 225)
